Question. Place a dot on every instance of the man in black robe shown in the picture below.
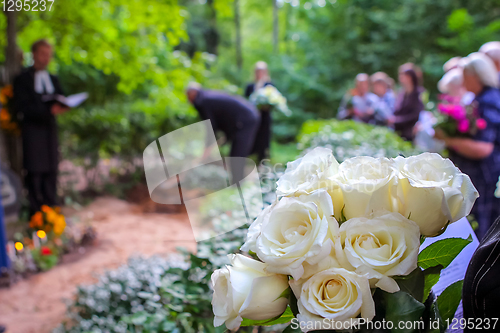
(39, 127)
(236, 117)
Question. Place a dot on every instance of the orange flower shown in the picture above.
(3, 99)
(36, 220)
(8, 91)
(4, 115)
(46, 209)
(57, 209)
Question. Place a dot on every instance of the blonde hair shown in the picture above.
(483, 67)
(453, 78)
(451, 64)
(492, 50)
(260, 65)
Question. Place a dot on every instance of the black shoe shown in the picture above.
(2, 329)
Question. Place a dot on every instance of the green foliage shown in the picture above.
(349, 139)
(157, 294)
(45, 261)
(402, 307)
(126, 38)
(442, 252)
(449, 300)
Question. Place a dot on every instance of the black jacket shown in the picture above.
(481, 291)
(227, 113)
(38, 124)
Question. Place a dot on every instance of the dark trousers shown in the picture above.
(242, 144)
(263, 137)
(42, 190)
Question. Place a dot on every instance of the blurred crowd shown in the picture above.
(374, 101)
(469, 103)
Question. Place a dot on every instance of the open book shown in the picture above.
(69, 101)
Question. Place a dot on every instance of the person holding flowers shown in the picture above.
(478, 155)
(263, 137)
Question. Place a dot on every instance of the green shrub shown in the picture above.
(349, 139)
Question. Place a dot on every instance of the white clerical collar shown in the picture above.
(43, 83)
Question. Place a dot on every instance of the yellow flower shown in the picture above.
(59, 225)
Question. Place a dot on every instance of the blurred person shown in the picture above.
(408, 104)
(39, 127)
(236, 117)
(423, 93)
(263, 138)
(4, 259)
(384, 106)
(492, 50)
(451, 64)
(451, 85)
(359, 103)
(479, 156)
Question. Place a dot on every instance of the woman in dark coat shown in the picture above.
(408, 104)
(263, 137)
(479, 156)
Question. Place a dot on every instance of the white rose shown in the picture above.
(384, 245)
(311, 269)
(367, 184)
(246, 290)
(254, 230)
(308, 173)
(433, 191)
(297, 230)
(332, 296)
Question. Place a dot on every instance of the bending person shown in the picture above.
(236, 117)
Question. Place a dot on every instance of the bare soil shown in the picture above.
(36, 304)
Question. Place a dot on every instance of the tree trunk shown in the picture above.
(212, 34)
(237, 24)
(275, 27)
(10, 147)
(12, 64)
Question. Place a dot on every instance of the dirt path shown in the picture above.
(35, 305)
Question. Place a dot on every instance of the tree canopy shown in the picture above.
(149, 49)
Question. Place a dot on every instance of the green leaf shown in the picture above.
(449, 299)
(139, 318)
(402, 307)
(284, 318)
(442, 252)
(435, 317)
(413, 284)
(285, 294)
(342, 216)
(290, 329)
(292, 303)
(431, 277)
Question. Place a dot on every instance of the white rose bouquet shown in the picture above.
(270, 96)
(339, 249)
